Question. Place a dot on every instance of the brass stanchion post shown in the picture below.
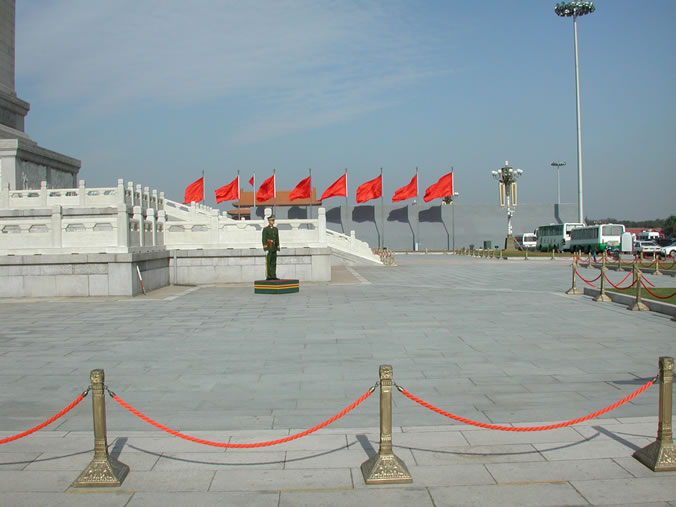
(103, 471)
(660, 456)
(573, 287)
(638, 306)
(656, 260)
(385, 467)
(603, 297)
(525, 258)
(552, 254)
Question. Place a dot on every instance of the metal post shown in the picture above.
(580, 198)
(573, 287)
(656, 260)
(603, 297)
(385, 467)
(103, 471)
(660, 456)
(638, 305)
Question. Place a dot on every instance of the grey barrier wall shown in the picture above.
(436, 226)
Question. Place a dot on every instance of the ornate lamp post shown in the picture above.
(558, 166)
(567, 10)
(507, 177)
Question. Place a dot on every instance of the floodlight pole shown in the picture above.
(575, 9)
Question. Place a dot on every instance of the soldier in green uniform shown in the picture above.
(271, 245)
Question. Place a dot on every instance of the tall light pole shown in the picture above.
(507, 177)
(575, 9)
(558, 166)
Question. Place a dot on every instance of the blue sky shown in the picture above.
(155, 91)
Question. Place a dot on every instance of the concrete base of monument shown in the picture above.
(276, 286)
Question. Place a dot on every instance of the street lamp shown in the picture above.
(558, 166)
(507, 177)
(575, 9)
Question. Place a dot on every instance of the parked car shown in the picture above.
(645, 247)
(669, 250)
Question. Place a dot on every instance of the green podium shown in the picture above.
(276, 286)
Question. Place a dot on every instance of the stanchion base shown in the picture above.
(603, 298)
(658, 457)
(573, 291)
(639, 307)
(384, 469)
(102, 473)
(276, 286)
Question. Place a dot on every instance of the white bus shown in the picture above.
(596, 238)
(555, 236)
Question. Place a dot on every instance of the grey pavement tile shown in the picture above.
(521, 495)
(557, 471)
(80, 498)
(279, 480)
(491, 437)
(332, 459)
(165, 481)
(206, 499)
(36, 481)
(513, 453)
(594, 447)
(17, 460)
(632, 490)
(405, 495)
(212, 461)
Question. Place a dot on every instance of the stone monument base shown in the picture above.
(276, 286)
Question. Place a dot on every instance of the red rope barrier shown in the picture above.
(667, 268)
(588, 282)
(241, 446)
(620, 283)
(647, 281)
(655, 295)
(526, 428)
(47, 422)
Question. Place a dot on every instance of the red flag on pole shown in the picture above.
(229, 192)
(302, 190)
(337, 189)
(194, 192)
(267, 190)
(251, 181)
(408, 191)
(370, 190)
(441, 188)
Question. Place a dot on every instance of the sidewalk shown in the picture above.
(492, 341)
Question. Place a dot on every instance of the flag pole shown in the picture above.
(239, 200)
(416, 242)
(309, 214)
(382, 209)
(347, 204)
(203, 189)
(254, 196)
(274, 192)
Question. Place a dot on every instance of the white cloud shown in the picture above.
(310, 63)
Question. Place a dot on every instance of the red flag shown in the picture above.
(302, 190)
(229, 192)
(194, 192)
(337, 189)
(370, 190)
(407, 192)
(267, 190)
(441, 188)
(251, 181)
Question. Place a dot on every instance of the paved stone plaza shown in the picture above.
(494, 341)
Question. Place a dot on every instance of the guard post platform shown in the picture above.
(276, 286)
